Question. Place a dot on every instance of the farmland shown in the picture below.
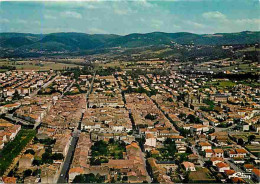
(35, 65)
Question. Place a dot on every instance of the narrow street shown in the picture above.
(201, 159)
(66, 165)
(63, 177)
(66, 90)
(237, 169)
(44, 86)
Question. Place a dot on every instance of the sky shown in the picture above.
(136, 16)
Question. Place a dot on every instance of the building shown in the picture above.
(188, 166)
(26, 161)
(222, 167)
(256, 175)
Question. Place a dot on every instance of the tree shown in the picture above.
(16, 95)
(111, 141)
(182, 115)
(37, 162)
(47, 156)
(251, 138)
(150, 116)
(36, 172)
(89, 178)
(79, 179)
(184, 132)
(170, 99)
(57, 156)
(125, 178)
(27, 172)
(240, 141)
(30, 151)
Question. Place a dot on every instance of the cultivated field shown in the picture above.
(36, 65)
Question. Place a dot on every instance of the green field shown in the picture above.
(201, 175)
(250, 49)
(221, 84)
(37, 65)
(254, 149)
(13, 148)
(103, 151)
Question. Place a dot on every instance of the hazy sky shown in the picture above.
(124, 17)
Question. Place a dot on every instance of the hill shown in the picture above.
(82, 41)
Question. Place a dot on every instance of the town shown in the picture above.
(143, 121)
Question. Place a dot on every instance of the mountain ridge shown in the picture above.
(73, 41)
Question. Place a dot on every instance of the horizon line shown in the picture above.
(126, 34)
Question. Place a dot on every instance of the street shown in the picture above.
(63, 177)
(237, 169)
(44, 86)
(67, 161)
(201, 159)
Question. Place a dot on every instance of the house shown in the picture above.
(2, 144)
(73, 172)
(188, 166)
(204, 146)
(238, 160)
(26, 161)
(232, 153)
(241, 152)
(160, 170)
(216, 160)
(193, 158)
(256, 175)
(9, 179)
(248, 167)
(230, 173)
(209, 153)
(150, 140)
(3, 136)
(222, 166)
(170, 166)
(237, 153)
(198, 129)
(182, 149)
(238, 180)
(62, 144)
(31, 179)
(50, 174)
(177, 137)
(218, 152)
(220, 98)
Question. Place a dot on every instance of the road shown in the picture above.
(237, 169)
(44, 86)
(218, 129)
(67, 89)
(91, 85)
(63, 178)
(22, 121)
(66, 165)
(201, 159)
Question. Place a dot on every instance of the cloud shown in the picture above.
(4, 20)
(120, 12)
(37, 22)
(195, 24)
(145, 3)
(71, 14)
(248, 21)
(20, 21)
(50, 17)
(96, 31)
(214, 15)
(122, 8)
(156, 24)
